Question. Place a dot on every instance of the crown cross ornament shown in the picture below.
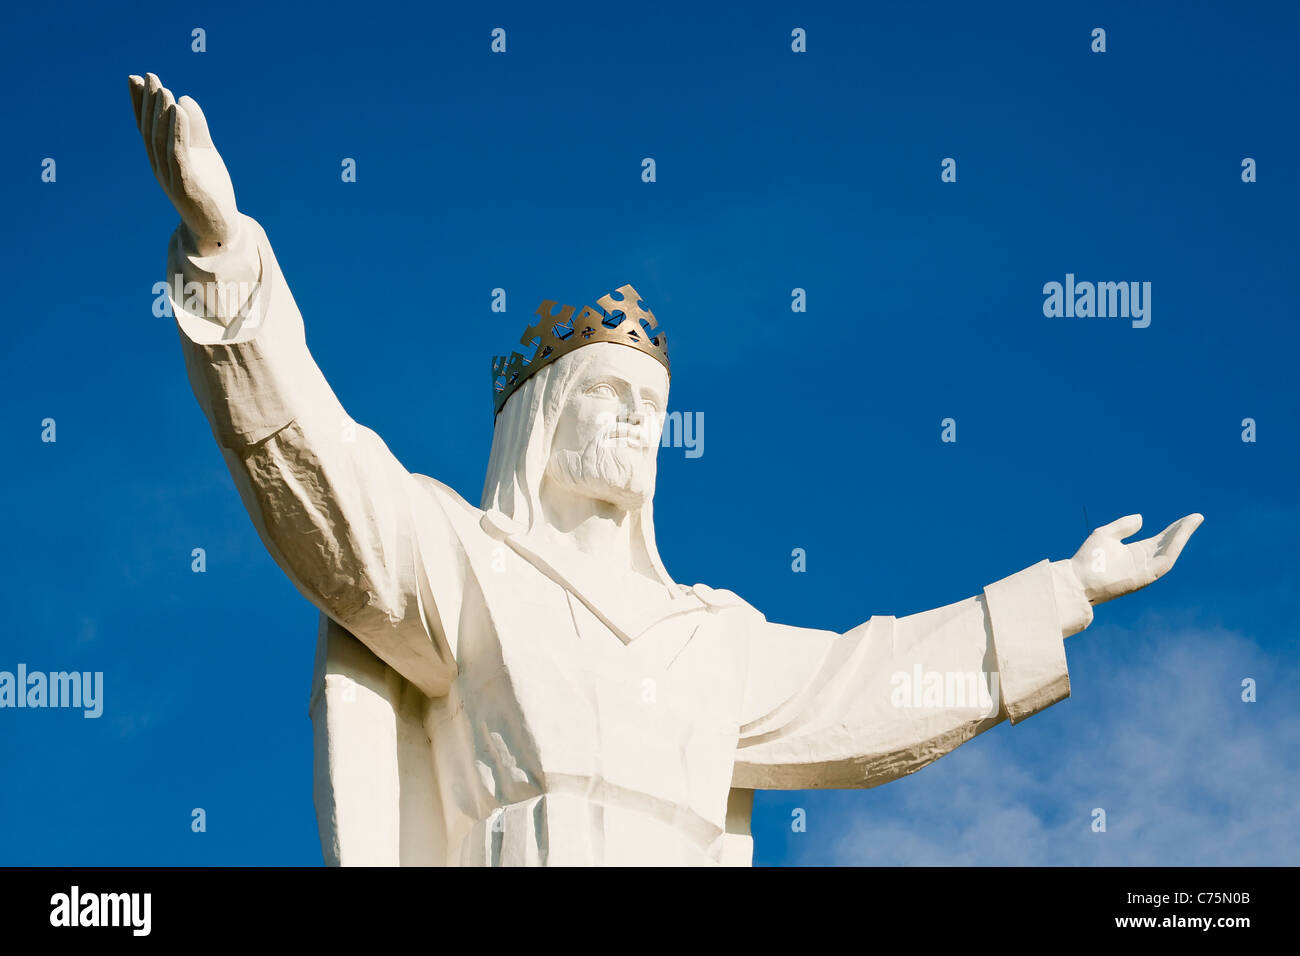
(623, 320)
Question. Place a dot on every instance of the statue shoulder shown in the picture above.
(721, 599)
(446, 496)
(461, 518)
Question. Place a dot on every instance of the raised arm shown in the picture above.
(358, 535)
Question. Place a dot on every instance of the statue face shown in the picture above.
(607, 436)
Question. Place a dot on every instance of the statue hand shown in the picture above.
(1107, 568)
(188, 166)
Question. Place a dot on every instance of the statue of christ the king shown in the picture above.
(522, 682)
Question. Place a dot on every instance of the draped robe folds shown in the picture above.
(484, 696)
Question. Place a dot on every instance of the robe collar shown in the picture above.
(592, 584)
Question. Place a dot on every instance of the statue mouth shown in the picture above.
(627, 440)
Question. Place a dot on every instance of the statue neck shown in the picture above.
(598, 529)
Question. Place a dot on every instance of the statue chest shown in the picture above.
(555, 701)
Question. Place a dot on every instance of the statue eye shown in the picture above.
(602, 391)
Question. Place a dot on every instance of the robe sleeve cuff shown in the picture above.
(220, 297)
(1028, 641)
(1071, 600)
(250, 368)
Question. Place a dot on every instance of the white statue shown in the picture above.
(522, 682)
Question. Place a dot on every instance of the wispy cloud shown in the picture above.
(1156, 734)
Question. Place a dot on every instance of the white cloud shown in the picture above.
(1155, 733)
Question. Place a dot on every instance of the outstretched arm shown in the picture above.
(893, 695)
(356, 533)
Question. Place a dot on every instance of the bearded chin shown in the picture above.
(606, 472)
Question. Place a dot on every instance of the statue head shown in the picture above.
(583, 420)
(607, 429)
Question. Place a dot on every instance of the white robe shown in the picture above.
(485, 697)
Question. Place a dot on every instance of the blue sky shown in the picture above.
(775, 170)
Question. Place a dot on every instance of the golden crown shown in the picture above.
(558, 332)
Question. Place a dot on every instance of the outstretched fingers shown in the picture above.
(148, 114)
(176, 162)
(1121, 528)
(136, 86)
(146, 117)
(168, 170)
(1168, 545)
(166, 126)
(162, 138)
(163, 103)
(198, 123)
